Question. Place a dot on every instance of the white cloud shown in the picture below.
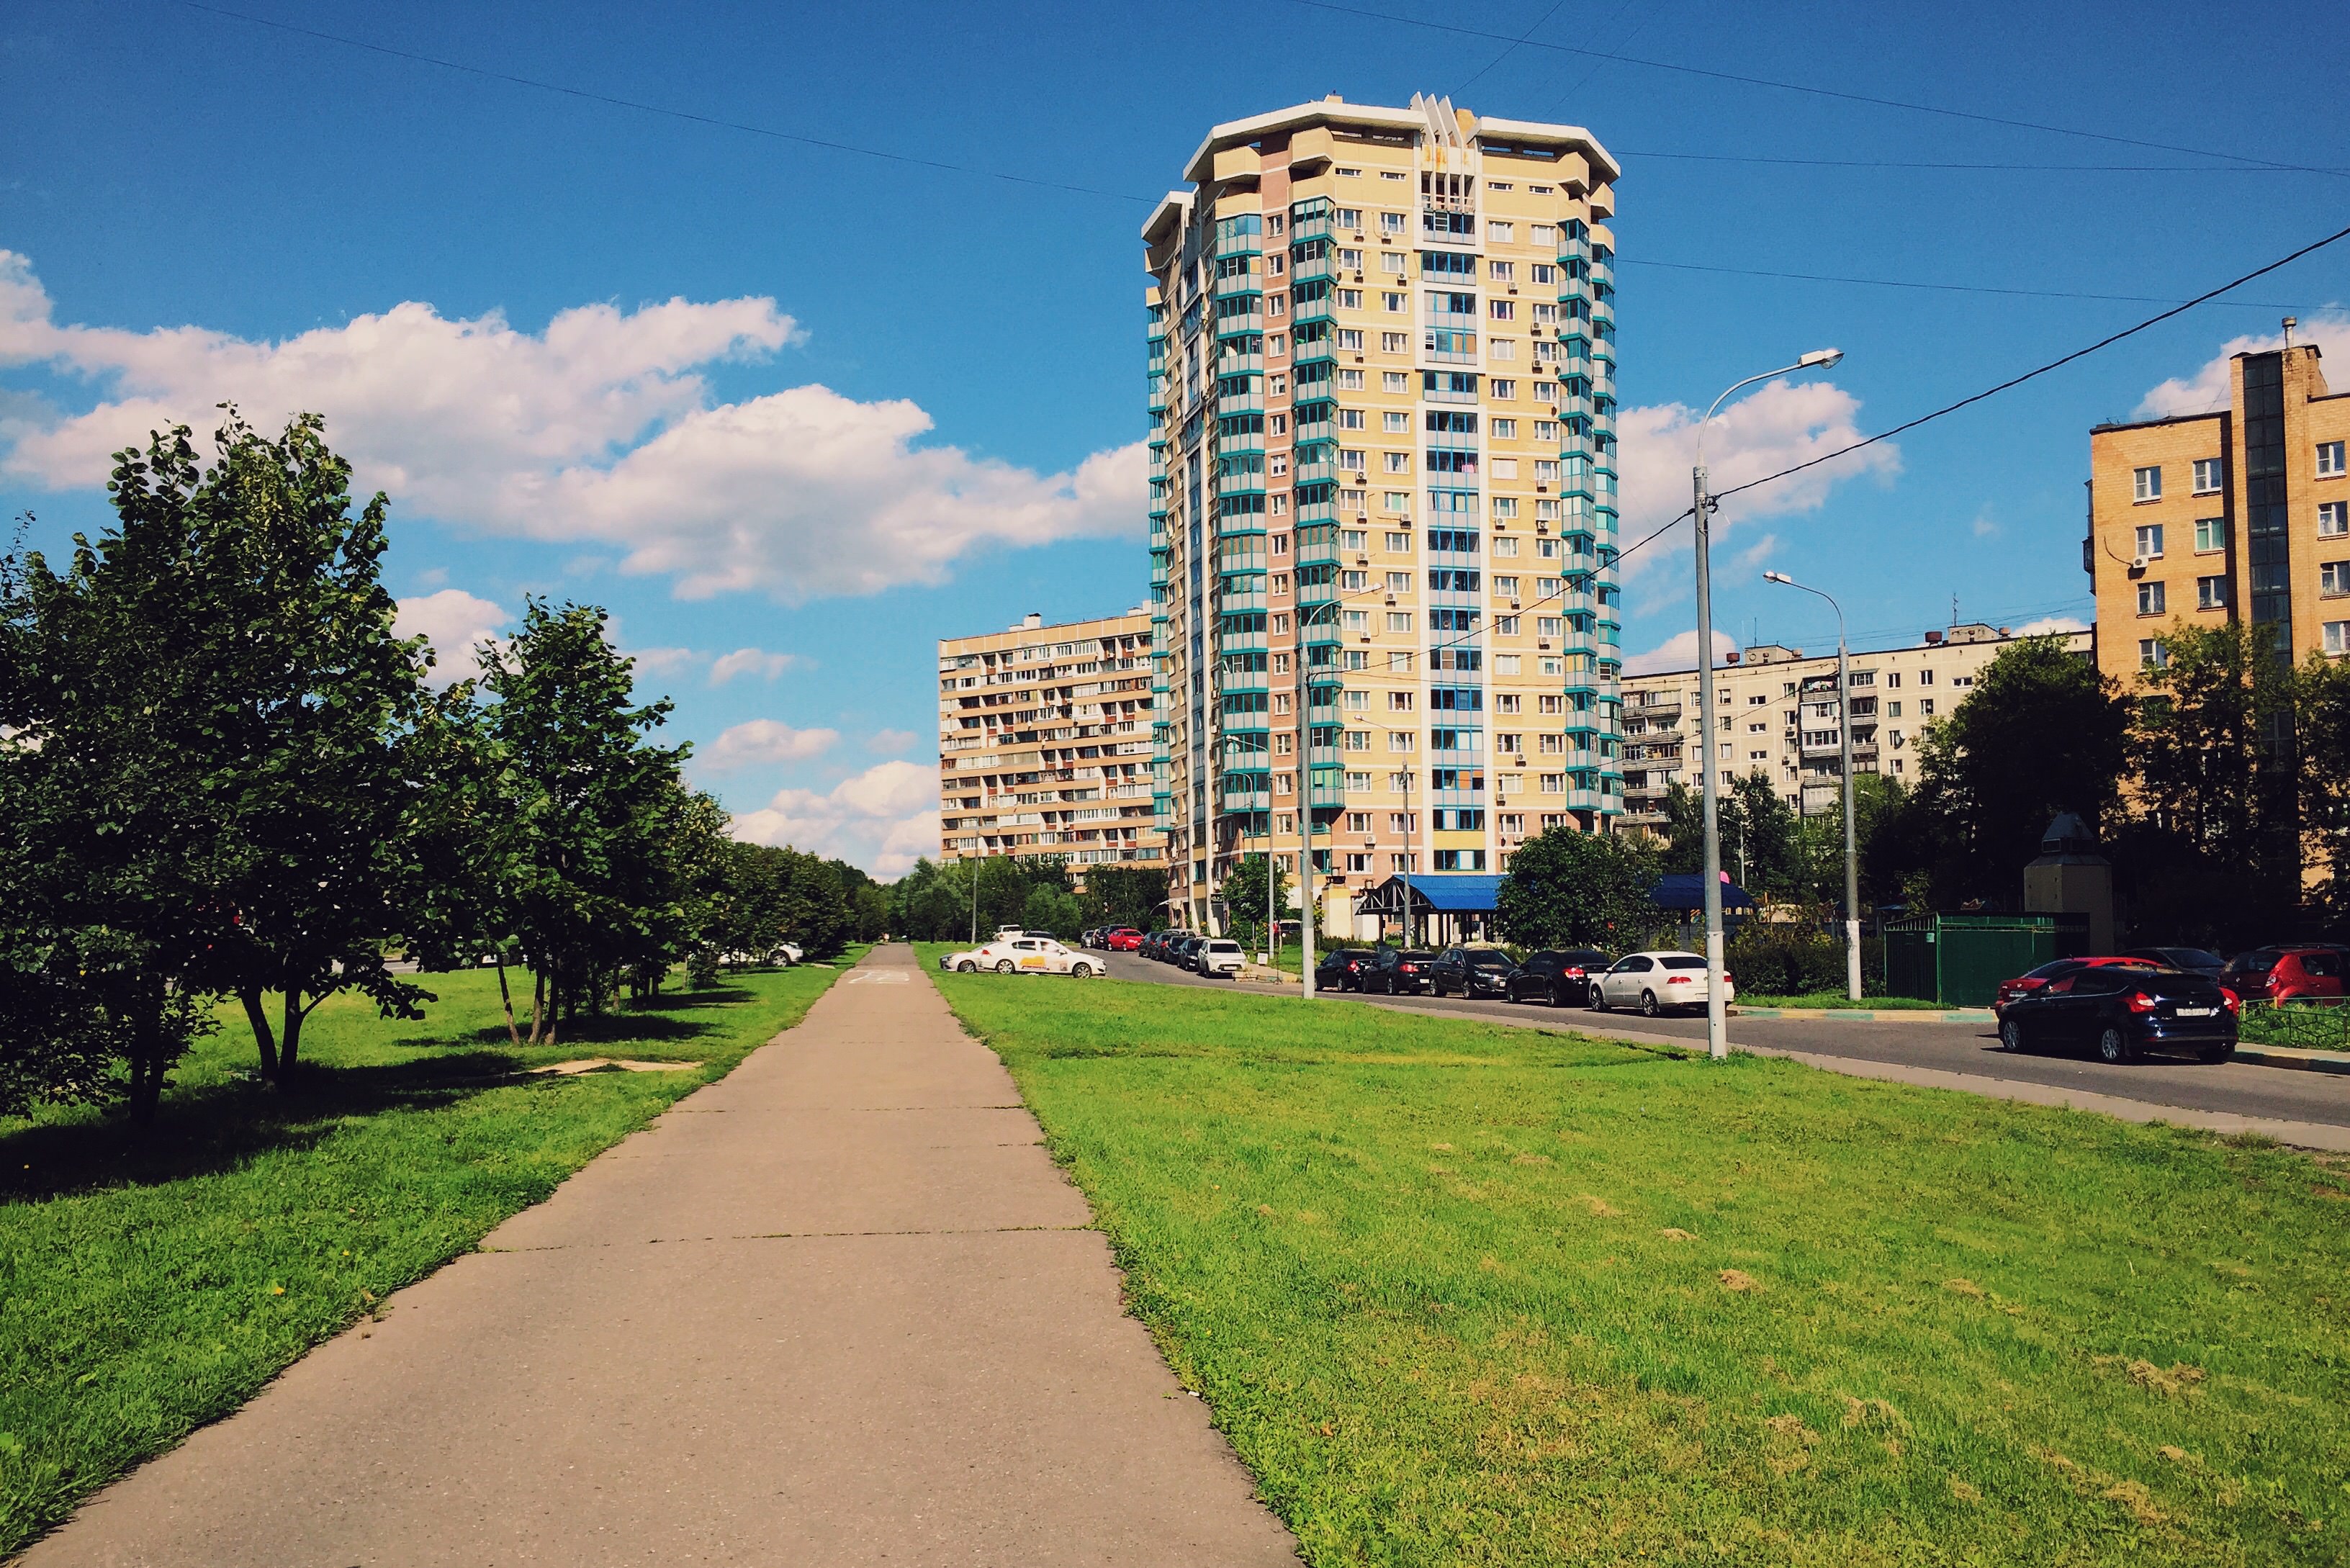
(2051, 623)
(2206, 389)
(600, 430)
(1983, 527)
(769, 741)
(888, 741)
(457, 623)
(749, 661)
(1780, 424)
(1679, 652)
(663, 661)
(881, 819)
(1755, 554)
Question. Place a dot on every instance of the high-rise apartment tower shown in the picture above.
(1383, 528)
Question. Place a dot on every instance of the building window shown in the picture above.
(1395, 381)
(2149, 599)
(1500, 233)
(1398, 620)
(2146, 484)
(2210, 533)
(2330, 463)
(2206, 475)
(1391, 224)
(1503, 390)
(2211, 593)
(2337, 635)
(2333, 520)
(2333, 579)
(2149, 542)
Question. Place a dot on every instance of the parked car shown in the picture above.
(1123, 939)
(1022, 955)
(1154, 947)
(1471, 972)
(2059, 974)
(1187, 949)
(1395, 972)
(2194, 961)
(787, 952)
(1656, 980)
(2285, 972)
(1341, 969)
(2122, 1012)
(1561, 977)
(1219, 956)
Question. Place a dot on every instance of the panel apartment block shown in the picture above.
(1777, 715)
(1383, 525)
(1045, 742)
(2239, 514)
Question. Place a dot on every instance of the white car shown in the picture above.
(1656, 981)
(1022, 955)
(1220, 957)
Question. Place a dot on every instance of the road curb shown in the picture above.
(1871, 1015)
(2286, 1056)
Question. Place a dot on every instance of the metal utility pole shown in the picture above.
(977, 861)
(1411, 914)
(1851, 857)
(1717, 1016)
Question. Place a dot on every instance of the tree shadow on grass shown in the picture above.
(208, 1128)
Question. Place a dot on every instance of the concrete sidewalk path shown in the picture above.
(839, 1308)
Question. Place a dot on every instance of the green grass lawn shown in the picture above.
(1463, 1293)
(149, 1284)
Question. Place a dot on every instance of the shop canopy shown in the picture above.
(1441, 893)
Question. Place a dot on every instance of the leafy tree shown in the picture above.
(1125, 896)
(2043, 732)
(2322, 697)
(309, 704)
(1566, 889)
(114, 894)
(1245, 897)
(1052, 909)
(2214, 847)
(1761, 837)
(592, 808)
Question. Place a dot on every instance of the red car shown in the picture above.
(1123, 939)
(2287, 971)
(2057, 977)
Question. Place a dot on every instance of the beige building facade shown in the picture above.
(2241, 514)
(1045, 742)
(1778, 715)
(1383, 527)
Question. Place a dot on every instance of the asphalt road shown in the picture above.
(2231, 1087)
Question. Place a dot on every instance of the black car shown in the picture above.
(1187, 949)
(1341, 969)
(1395, 972)
(1561, 977)
(1471, 972)
(2194, 961)
(2121, 1013)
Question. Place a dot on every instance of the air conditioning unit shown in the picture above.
(2139, 562)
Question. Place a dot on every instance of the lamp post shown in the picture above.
(1306, 792)
(1410, 914)
(1717, 1018)
(1843, 729)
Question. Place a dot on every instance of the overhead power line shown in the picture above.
(640, 107)
(1981, 168)
(2014, 381)
(1938, 287)
(1529, 43)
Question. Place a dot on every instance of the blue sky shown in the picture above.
(878, 370)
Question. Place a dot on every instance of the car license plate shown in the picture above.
(2197, 1011)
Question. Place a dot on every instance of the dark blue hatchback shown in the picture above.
(2124, 1013)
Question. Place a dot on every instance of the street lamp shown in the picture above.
(1305, 617)
(1844, 728)
(1717, 1018)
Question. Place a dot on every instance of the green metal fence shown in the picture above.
(2305, 1025)
(1959, 959)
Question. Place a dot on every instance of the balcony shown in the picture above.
(1313, 269)
(1316, 429)
(1663, 713)
(1248, 401)
(1303, 311)
(1234, 325)
(1238, 283)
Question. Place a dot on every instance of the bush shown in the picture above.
(1784, 958)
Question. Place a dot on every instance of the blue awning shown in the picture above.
(1440, 893)
(1686, 890)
